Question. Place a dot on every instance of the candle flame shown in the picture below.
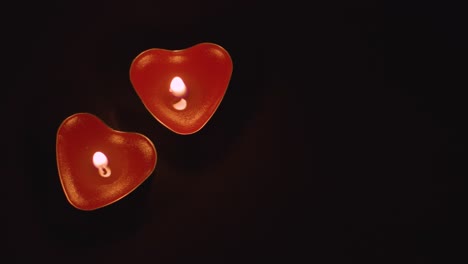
(177, 87)
(100, 162)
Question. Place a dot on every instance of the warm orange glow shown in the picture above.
(100, 162)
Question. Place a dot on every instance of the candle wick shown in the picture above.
(104, 171)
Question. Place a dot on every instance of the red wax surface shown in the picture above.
(205, 69)
(131, 159)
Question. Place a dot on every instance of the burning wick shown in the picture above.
(178, 89)
(100, 162)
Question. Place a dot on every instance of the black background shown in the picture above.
(341, 138)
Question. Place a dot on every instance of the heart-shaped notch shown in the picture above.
(182, 89)
(98, 165)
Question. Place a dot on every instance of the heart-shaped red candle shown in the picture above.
(98, 165)
(182, 88)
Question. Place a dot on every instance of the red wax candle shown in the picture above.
(98, 165)
(182, 88)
